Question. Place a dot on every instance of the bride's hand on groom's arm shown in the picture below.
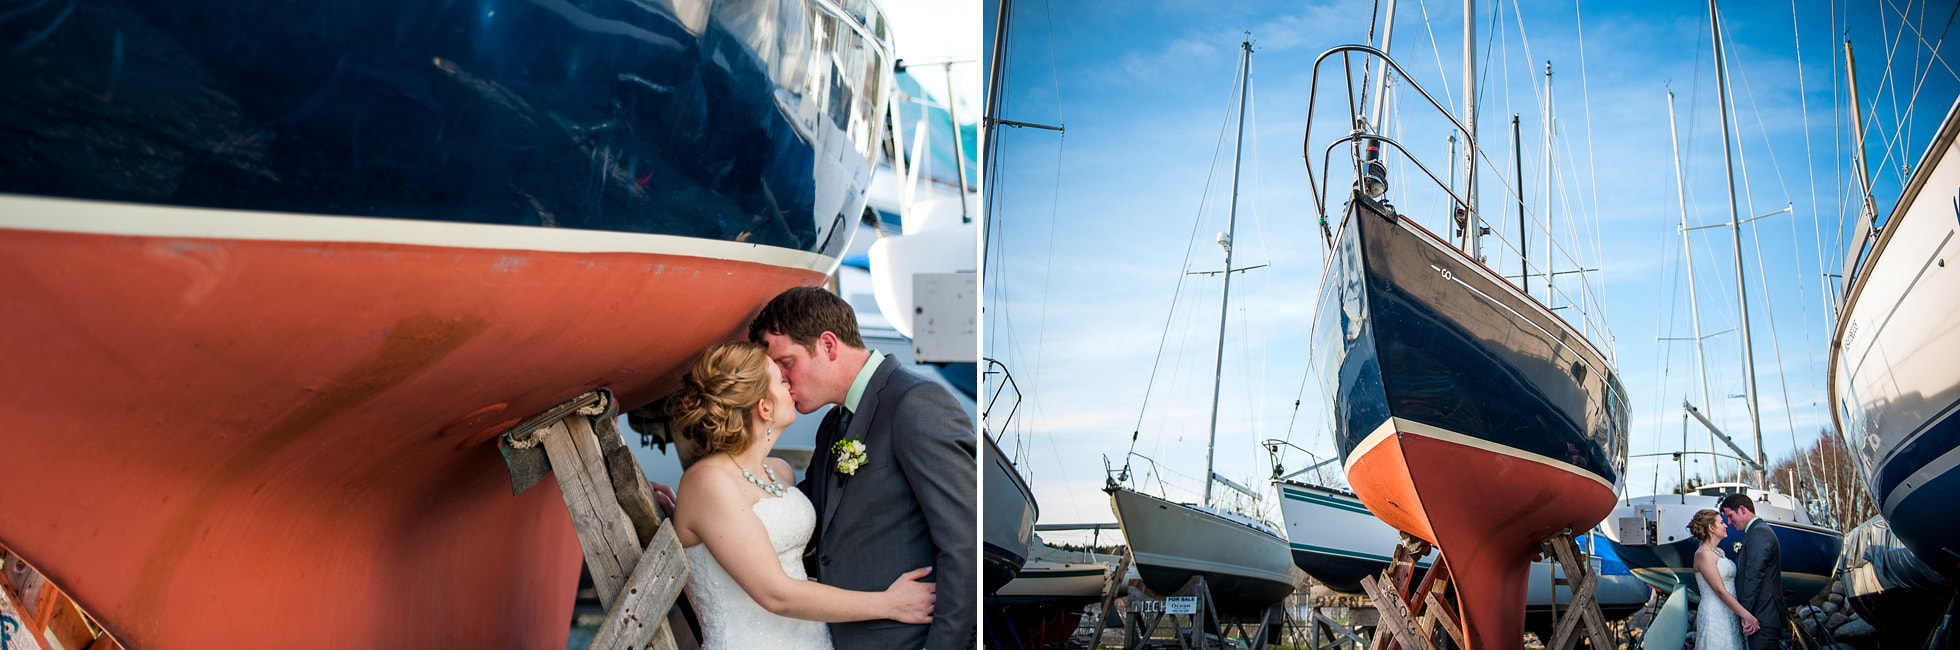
(912, 600)
(664, 497)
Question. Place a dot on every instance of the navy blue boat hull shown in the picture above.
(1466, 413)
(1919, 501)
(694, 118)
(1384, 351)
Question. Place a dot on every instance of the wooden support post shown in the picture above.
(1275, 616)
(16, 632)
(604, 533)
(1564, 552)
(1338, 628)
(613, 511)
(1445, 617)
(656, 582)
(1394, 615)
(1396, 604)
(1113, 585)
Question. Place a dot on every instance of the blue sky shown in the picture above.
(1092, 228)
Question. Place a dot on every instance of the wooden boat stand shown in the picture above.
(634, 556)
(1336, 635)
(1410, 617)
(1188, 631)
(34, 613)
(1322, 630)
(1429, 601)
(1564, 552)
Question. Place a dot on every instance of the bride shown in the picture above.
(1721, 619)
(743, 528)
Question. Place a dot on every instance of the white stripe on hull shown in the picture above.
(1047, 579)
(1335, 530)
(1393, 425)
(19, 212)
(1919, 477)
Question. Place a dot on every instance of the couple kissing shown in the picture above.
(874, 548)
(1742, 601)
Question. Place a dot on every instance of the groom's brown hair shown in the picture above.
(1739, 501)
(805, 313)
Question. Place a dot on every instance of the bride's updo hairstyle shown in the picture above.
(726, 383)
(1705, 523)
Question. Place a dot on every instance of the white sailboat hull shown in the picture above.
(1333, 537)
(1894, 386)
(1057, 583)
(1247, 569)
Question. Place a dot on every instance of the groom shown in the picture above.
(1758, 572)
(901, 494)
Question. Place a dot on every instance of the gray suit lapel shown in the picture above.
(860, 429)
(823, 462)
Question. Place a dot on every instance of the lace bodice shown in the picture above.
(729, 617)
(1716, 628)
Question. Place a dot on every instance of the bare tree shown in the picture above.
(1824, 477)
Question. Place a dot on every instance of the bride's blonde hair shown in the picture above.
(1705, 522)
(724, 386)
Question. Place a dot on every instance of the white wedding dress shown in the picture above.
(1717, 628)
(729, 617)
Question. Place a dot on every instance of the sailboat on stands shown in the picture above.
(1650, 533)
(1243, 560)
(1467, 413)
(278, 274)
(1337, 541)
(1894, 386)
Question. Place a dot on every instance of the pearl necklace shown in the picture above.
(773, 487)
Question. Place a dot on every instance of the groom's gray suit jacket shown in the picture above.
(910, 505)
(1759, 583)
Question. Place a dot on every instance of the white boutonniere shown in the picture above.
(1738, 547)
(850, 455)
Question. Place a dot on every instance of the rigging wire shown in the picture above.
(1763, 273)
(1183, 271)
(1592, 175)
(1436, 49)
(1796, 255)
(1838, 136)
(1810, 157)
(1748, 194)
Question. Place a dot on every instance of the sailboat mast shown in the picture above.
(1681, 195)
(1472, 241)
(1735, 229)
(996, 73)
(1524, 243)
(1381, 76)
(1858, 136)
(1551, 258)
(1224, 297)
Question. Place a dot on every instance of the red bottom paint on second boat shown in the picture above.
(1485, 508)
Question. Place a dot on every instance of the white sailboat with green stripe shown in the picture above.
(1333, 537)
